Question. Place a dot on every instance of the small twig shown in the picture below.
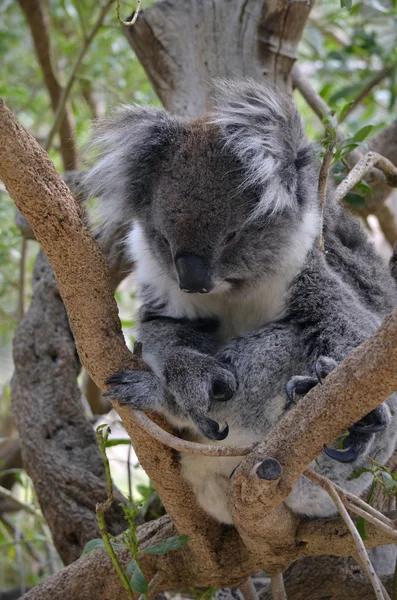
(363, 166)
(278, 589)
(322, 184)
(248, 590)
(151, 587)
(102, 507)
(4, 493)
(384, 590)
(367, 89)
(365, 506)
(368, 517)
(129, 472)
(329, 487)
(21, 290)
(66, 90)
(184, 446)
(134, 17)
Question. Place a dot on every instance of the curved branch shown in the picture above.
(37, 18)
(361, 168)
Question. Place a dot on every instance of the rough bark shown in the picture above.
(92, 575)
(327, 578)
(58, 444)
(183, 47)
(214, 553)
(38, 22)
(265, 37)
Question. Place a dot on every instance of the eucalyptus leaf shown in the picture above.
(362, 133)
(169, 544)
(354, 199)
(95, 544)
(360, 524)
(136, 578)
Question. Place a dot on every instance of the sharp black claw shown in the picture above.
(114, 379)
(210, 428)
(372, 428)
(317, 370)
(222, 433)
(343, 456)
(290, 391)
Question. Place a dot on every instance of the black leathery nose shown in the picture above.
(193, 274)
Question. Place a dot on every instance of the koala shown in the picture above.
(240, 311)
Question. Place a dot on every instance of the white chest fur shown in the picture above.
(237, 312)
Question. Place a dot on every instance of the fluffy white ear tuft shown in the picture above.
(127, 145)
(263, 128)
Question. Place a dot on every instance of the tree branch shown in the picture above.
(360, 384)
(60, 109)
(364, 166)
(38, 22)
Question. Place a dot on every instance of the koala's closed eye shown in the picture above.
(229, 239)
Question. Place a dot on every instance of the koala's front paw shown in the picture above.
(138, 389)
(360, 433)
(196, 380)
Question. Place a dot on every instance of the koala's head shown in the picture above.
(223, 199)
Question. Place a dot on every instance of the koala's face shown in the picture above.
(219, 198)
(198, 221)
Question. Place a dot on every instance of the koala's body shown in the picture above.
(237, 300)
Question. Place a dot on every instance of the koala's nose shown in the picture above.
(192, 274)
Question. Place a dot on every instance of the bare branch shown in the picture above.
(66, 90)
(322, 185)
(364, 165)
(367, 89)
(184, 446)
(361, 551)
(278, 589)
(38, 21)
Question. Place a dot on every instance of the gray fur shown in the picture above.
(277, 303)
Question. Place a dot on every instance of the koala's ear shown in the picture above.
(128, 146)
(263, 128)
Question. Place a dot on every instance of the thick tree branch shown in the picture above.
(362, 382)
(178, 59)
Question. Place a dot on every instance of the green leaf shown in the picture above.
(363, 187)
(362, 133)
(118, 441)
(360, 524)
(358, 472)
(93, 545)
(346, 4)
(345, 109)
(136, 578)
(389, 482)
(169, 544)
(354, 199)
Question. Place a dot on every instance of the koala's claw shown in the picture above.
(299, 385)
(323, 367)
(372, 423)
(344, 456)
(138, 389)
(210, 428)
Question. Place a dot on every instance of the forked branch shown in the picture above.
(364, 166)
